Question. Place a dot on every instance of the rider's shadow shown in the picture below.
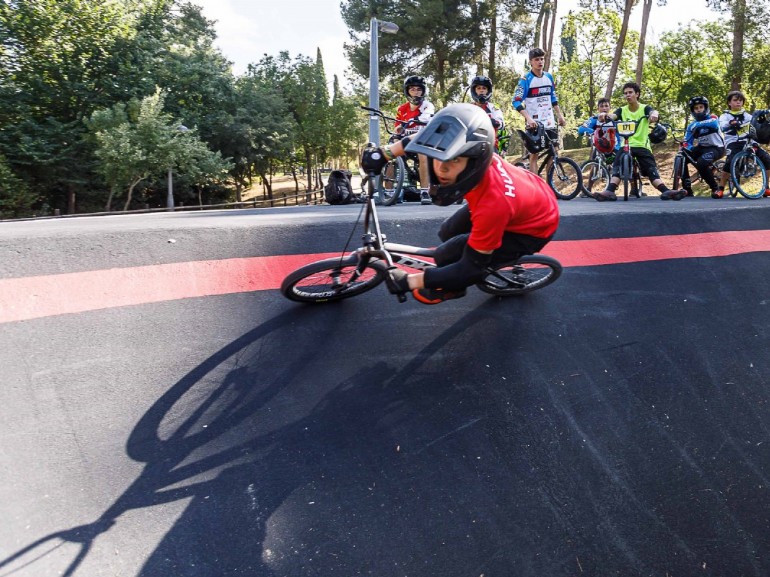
(283, 470)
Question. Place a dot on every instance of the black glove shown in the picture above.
(398, 281)
(496, 124)
(373, 159)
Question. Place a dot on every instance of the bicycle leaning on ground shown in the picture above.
(683, 156)
(398, 174)
(352, 274)
(563, 174)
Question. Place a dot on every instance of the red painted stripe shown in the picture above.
(42, 296)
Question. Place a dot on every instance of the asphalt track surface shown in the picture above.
(614, 423)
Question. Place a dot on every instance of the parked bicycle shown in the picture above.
(748, 174)
(563, 174)
(348, 275)
(681, 173)
(400, 174)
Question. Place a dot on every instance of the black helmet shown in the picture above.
(699, 100)
(481, 81)
(534, 139)
(658, 134)
(760, 120)
(457, 130)
(415, 81)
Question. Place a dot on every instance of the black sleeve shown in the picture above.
(456, 276)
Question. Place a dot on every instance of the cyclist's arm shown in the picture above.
(518, 101)
(689, 137)
(588, 126)
(651, 113)
(427, 110)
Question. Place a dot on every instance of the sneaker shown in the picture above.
(428, 296)
(425, 197)
(605, 195)
(718, 193)
(673, 194)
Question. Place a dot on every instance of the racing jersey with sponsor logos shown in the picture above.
(538, 95)
(737, 131)
(424, 112)
(704, 133)
(510, 199)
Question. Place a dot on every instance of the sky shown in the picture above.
(248, 29)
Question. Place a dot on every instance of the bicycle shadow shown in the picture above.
(237, 438)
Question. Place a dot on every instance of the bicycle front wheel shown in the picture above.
(748, 175)
(677, 174)
(332, 279)
(596, 176)
(529, 273)
(565, 178)
(390, 181)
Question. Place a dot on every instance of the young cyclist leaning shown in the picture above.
(509, 212)
(416, 108)
(535, 98)
(706, 142)
(643, 115)
(735, 124)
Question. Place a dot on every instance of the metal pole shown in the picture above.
(170, 197)
(374, 89)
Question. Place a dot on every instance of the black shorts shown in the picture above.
(647, 165)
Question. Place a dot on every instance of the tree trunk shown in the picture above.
(549, 49)
(642, 38)
(309, 164)
(539, 25)
(108, 207)
(131, 192)
(619, 49)
(491, 67)
(739, 30)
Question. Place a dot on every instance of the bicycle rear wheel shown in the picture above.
(565, 178)
(748, 175)
(596, 176)
(390, 181)
(332, 279)
(529, 273)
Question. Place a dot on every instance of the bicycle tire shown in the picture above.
(677, 174)
(748, 175)
(390, 181)
(626, 173)
(315, 282)
(529, 273)
(565, 178)
(595, 176)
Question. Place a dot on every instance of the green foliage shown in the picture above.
(16, 199)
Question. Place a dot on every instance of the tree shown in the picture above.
(148, 146)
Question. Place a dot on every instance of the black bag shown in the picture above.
(339, 189)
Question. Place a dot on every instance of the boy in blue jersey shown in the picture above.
(706, 143)
(535, 98)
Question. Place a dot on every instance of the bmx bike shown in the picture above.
(352, 274)
(562, 173)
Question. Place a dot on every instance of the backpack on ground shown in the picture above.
(339, 189)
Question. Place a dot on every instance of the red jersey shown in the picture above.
(423, 113)
(510, 199)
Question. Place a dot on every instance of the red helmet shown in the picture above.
(604, 140)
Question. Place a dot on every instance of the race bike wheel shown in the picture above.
(529, 273)
(596, 176)
(677, 174)
(565, 178)
(332, 279)
(390, 181)
(748, 175)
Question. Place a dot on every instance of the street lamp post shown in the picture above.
(170, 195)
(374, 74)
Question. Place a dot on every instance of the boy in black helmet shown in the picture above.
(509, 211)
(416, 108)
